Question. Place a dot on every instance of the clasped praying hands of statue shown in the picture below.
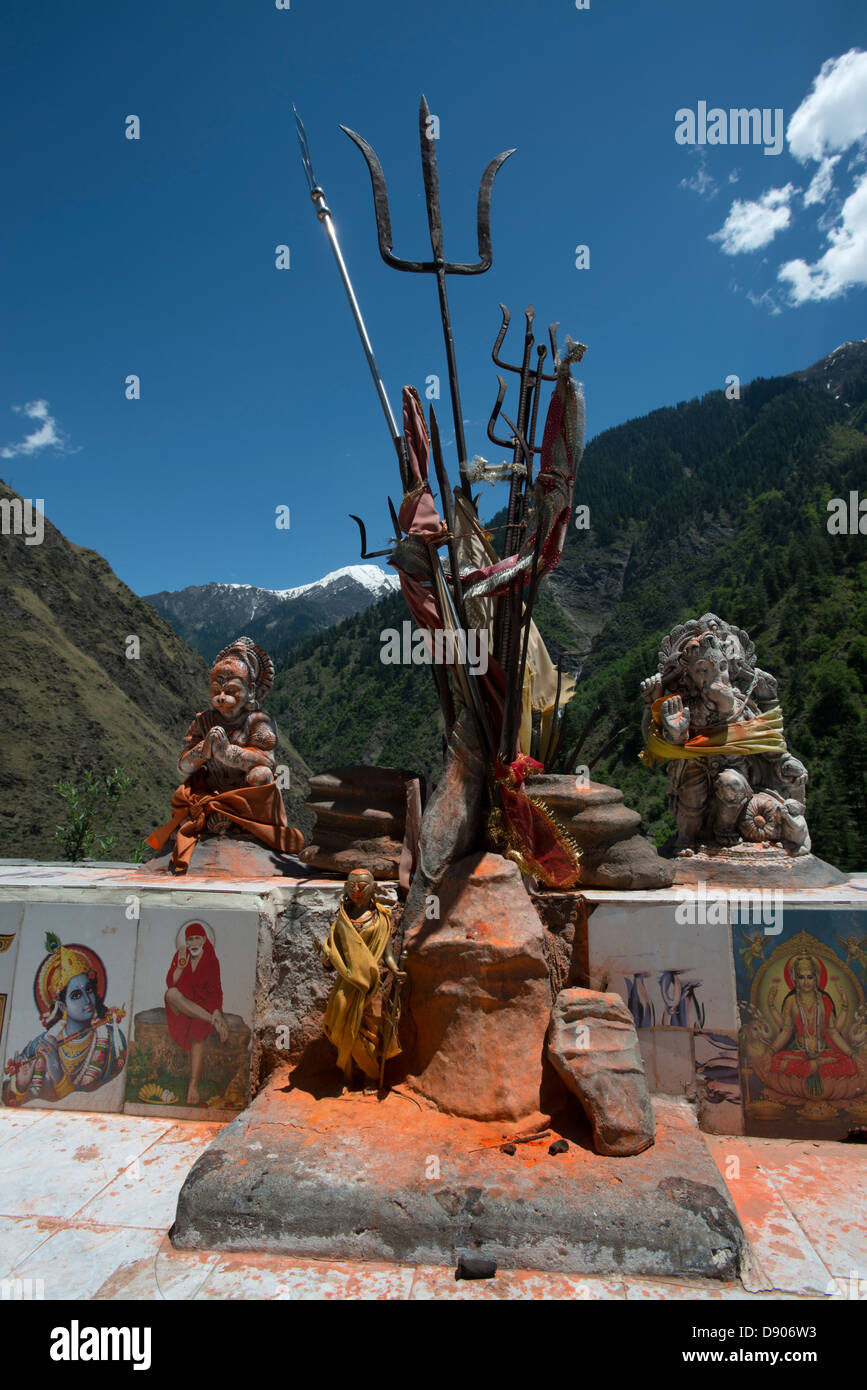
(229, 763)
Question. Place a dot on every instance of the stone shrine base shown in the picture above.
(358, 1178)
(754, 865)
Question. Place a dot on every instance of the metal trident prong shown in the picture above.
(522, 441)
(439, 266)
(495, 439)
(370, 554)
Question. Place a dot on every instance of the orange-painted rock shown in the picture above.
(593, 1046)
(480, 994)
(451, 822)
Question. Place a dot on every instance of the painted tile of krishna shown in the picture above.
(803, 1037)
(81, 1049)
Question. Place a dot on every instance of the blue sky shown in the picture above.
(156, 256)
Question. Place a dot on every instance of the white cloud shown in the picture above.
(47, 436)
(820, 184)
(830, 123)
(752, 225)
(843, 265)
(701, 181)
(36, 410)
(765, 301)
(834, 114)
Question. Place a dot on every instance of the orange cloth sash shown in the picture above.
(258, 810)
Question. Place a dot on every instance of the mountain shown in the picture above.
(207, 616)
(74, 700)
(710, 504)
(739, 525)
(843, 372)
(343, 705)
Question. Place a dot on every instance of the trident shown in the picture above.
(455, 602)
(439, 266)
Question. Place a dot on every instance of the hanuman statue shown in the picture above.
(228, 761)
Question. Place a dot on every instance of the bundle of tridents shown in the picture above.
(517, 702)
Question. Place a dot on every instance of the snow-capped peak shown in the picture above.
(370, 577)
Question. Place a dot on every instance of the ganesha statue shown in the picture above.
(713, 715)
(229, 763)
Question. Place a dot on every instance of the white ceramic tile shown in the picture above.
(155, 1059)
(85, 1262)
(671, 963)
(146, 1192)
(110, 937)
(668, 1059)
(11, 916)
(20, 1236)
(787, 1261)
(171, 1274)
(824, 1189)
(54, 1168)
(718, 1082)
(435, 1283)
(639, 1290)
(270, 1277)
(849, 1288)
(12, 1122)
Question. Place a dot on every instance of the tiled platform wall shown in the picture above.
(704, 980)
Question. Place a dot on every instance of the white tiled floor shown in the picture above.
(86, 1201)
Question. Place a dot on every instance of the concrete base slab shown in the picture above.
(355, 1177)
(225, 856)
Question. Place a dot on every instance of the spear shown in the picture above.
(454, 602)
(323, 212)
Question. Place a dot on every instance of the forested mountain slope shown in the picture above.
(712, 504)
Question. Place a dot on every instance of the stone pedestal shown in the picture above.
(613, 854)
(479, 994)
(229, 857)
(766, 865)
(352, 1177)
(361, 818)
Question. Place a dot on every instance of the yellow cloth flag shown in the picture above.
(743, 739)
(540, 675)
(352, 1021)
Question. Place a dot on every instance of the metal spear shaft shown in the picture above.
(323, 212)
(455, 603)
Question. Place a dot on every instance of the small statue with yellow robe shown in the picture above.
(362, 1014)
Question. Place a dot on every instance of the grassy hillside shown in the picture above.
(72, 699)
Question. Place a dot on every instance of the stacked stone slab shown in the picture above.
(360, 820)
(613, 854)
